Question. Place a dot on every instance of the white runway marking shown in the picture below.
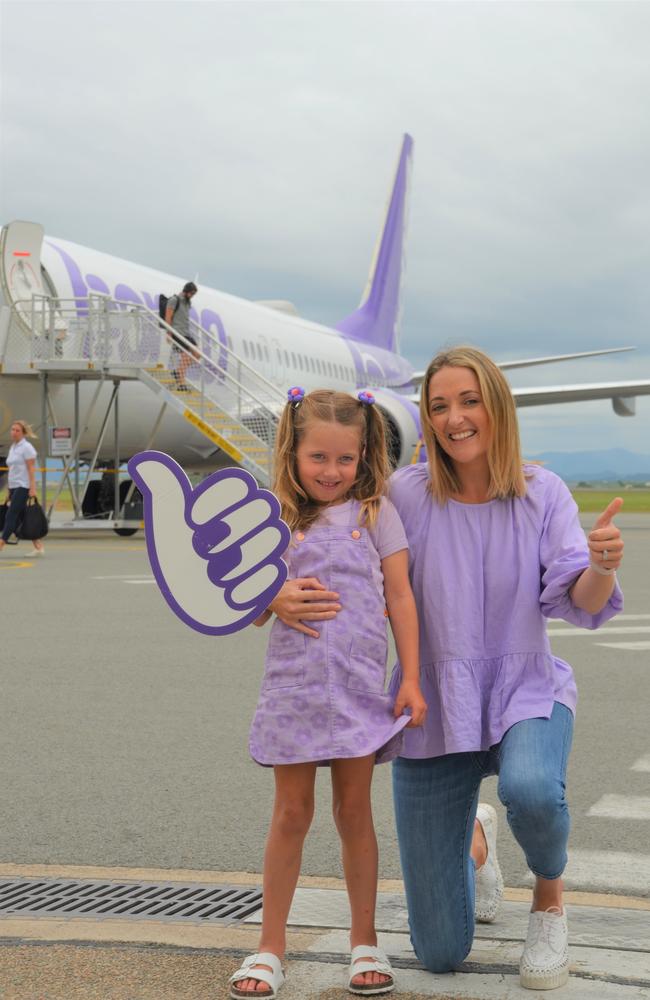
(558, 622)
(642, 764)
(621, 807)
(615, 871)
(606, 630)
(638, 646)
(125, 577)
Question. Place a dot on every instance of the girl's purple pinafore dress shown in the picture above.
(324, 698)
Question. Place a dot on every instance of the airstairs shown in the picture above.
(104, 340)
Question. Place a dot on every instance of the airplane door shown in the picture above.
(20, 260)
(22, 276)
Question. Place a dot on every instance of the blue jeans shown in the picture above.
(17, 503)
(435, 809)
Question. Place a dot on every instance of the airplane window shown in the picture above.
(245, 343)
(293, 359)
(330, 369)
(286, 358)
(259, 353)
(313, 364)
(266, 353)
(318, 366)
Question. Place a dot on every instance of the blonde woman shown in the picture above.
(496, 548)
(21, 481)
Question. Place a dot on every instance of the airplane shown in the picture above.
(50, 290)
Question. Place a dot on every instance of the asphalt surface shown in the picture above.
(123, 734)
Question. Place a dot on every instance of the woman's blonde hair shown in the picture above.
(328, 406)
(504, 451)
(26, 428)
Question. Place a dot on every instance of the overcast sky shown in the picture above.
(255, 143)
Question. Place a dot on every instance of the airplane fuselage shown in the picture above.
(286, 349)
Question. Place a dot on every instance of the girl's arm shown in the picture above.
(263, 618)
(403, 617)
(30, 462)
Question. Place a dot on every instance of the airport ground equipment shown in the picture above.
(102, 340)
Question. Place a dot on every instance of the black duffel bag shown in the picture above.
(34, 523)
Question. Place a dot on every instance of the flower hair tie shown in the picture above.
(366, 397)
(295, 394)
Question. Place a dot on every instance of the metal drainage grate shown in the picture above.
(191, 901)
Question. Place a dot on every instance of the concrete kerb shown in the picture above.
(112, 959)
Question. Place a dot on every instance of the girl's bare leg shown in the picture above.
(352, 809)
(293, 810)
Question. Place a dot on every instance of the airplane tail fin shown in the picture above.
(376, 321)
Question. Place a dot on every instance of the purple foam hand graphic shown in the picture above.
(216, 550)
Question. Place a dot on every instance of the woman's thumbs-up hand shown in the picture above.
(605, 542)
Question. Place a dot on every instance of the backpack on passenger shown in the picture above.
(163, 302)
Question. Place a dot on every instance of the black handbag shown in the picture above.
(34, 523)
(4, 507)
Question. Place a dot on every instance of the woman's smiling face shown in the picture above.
(458, 416)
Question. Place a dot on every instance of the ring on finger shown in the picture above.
(605, 555)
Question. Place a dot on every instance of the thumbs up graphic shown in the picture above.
(216, 551)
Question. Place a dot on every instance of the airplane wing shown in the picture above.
(622, 394)
(417, 377)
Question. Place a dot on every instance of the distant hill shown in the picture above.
(607, 465)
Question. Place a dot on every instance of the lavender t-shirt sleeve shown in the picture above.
(564, 555)
(388, 534)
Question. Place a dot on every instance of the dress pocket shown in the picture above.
(367, 665)
(285, 657)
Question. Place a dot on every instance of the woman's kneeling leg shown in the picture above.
(435, 807)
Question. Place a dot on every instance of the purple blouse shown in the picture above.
(485, 577)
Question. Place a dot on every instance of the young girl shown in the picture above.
(323, 702)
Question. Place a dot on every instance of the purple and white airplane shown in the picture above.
(362, 351)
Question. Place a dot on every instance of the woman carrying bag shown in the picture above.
(21, 462)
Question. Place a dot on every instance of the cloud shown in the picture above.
(255, 143)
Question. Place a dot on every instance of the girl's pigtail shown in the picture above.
(285, 482)
(375, 466)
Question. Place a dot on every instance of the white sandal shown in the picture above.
(274, 979)
(368, 958)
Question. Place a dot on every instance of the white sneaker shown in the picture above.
(489, 880)
(545, 962)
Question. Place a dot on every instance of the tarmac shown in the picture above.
(112, 958)
(86, 958)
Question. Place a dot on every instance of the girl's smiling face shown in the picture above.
(327, 460)
(458, 416)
